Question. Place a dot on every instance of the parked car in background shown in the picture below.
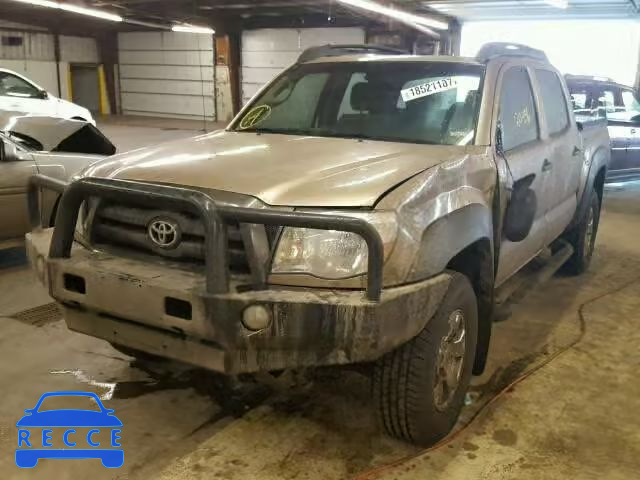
(53, 146)
(18, 94)
(597, 97)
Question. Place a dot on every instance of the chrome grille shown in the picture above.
(125, 227)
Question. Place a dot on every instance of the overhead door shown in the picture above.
(167, 74)
(267, 52)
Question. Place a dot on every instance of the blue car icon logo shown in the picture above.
(69, 425)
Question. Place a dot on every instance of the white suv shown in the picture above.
(20, 94)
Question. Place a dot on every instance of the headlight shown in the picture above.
(85, 215)
(331, 254)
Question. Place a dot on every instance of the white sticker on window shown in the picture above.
(429, 88)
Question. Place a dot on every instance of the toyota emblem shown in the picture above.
(164, 233)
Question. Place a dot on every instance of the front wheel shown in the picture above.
(420, 386)
(583, 238)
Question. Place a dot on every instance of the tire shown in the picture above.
(583, 238)
(405, 380)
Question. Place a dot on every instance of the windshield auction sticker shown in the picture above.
(254, 116)
(429, 88)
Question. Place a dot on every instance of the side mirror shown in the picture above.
(580, 126)
(8, 152)
(521, 211)
(43, 94)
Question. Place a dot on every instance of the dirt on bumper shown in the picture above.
(127, 301)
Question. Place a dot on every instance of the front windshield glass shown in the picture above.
(415, 102)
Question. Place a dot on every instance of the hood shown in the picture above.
(628, 116)
(54, 134)
(280, 169)
(68, 109)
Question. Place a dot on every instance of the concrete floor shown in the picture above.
(129, 132)
(576, 417)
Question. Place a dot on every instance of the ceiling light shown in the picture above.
(186, 28)
(92, 12)
(558, 3)
(399, 15)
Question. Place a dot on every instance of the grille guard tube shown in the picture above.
(202, 205)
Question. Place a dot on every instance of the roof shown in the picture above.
(594, 80)
(380, 53)
(395, 58)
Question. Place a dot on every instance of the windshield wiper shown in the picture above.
(362, 136)
(333, 134)
(283, 131)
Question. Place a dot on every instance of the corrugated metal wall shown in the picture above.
(35, 58)
(267, 52)
(78, 50)
(167, 74)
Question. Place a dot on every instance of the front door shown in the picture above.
(524, 154)
(14, 176)
(620, 134)
(632, 160)
(629, 104)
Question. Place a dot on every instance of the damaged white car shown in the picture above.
(56, 147)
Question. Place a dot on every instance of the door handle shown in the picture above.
(633, 131)
(546, 165)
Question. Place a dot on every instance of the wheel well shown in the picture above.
(476, 263)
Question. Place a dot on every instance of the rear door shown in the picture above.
(563, 158)
(525, 155)
(14, 177)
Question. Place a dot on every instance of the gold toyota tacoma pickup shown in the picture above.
(363, 208)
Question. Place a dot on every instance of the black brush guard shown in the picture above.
(213, 218)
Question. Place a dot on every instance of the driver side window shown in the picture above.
(517, 116)
(12, 86)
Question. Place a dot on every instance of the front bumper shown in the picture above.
(124, 301)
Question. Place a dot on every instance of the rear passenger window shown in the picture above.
(517, 114)
(554, 102)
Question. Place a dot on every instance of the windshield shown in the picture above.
(17, 140)
(426, 102)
